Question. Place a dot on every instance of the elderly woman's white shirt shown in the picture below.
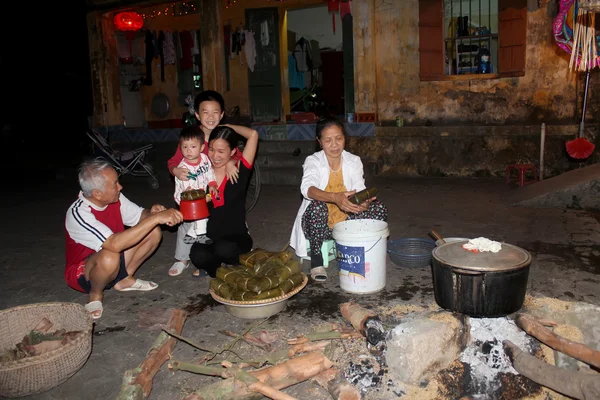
(316, 173)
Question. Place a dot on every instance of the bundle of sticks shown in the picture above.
(584, 55)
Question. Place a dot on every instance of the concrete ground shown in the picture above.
(564, 243)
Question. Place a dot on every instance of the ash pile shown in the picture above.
(464, 355)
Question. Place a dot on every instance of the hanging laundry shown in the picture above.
(264, 33)
(169, 48)
(196, 46)
(296, 78)
(227, 38)
(178, 51)
(250, 49)
(236, 43)
(315, 54)
(149, 57)
(187, 42)
(161, 54)
(155, 43)
(302, 54)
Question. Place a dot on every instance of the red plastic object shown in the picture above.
(128, 21)
(522, 173)
(304, 118)
(194, 209)
(580, 148)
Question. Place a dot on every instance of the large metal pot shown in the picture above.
(481, 284)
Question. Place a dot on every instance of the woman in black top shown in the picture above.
(227, 221)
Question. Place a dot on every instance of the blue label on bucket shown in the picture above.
(351, 259)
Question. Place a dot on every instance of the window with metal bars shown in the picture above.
(440, 36)
(471, 36)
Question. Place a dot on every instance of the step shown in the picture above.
(291, 176)
(305, 147)
(280, 160)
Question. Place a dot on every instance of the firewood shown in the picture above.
(250, 339)
(137, 382)
(558, 343)
(311, 337)
(338, 387)
(366, 322)
(277, 377)
(307, 347)
(578, 385)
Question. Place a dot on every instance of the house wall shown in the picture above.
(387, 76)
(105, 65)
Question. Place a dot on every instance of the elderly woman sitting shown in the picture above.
(330, 176)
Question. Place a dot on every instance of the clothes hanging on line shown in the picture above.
(302, 54)
(315, 54)
(161, 54)
(264, 33)
(169, 48)
(187, 43)
(296, 78)
(250, 49)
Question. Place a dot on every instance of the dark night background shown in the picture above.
(46, 88)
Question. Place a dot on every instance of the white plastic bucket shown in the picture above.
(361, 246)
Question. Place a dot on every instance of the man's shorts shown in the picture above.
(86, 285)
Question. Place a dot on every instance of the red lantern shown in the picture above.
(128, 21)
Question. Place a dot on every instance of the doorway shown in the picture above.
(264, 82)
(320, 62)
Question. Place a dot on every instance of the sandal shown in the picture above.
(178, 268)
(93, 307)
(199, 273)
(319, 274)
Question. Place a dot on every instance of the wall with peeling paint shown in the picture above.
(387, 50)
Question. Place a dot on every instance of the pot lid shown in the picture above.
(508, 258)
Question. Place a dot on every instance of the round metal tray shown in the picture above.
(255, 309)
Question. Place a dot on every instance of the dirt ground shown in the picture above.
(564, 243)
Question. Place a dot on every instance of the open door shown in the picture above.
(264, 80)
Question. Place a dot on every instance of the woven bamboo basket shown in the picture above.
(590, 5)
(36, 374)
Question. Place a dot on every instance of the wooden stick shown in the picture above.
(544, 335)
(574, 47)
(579, 385)
(314, 336)
(338, 387)
(307, 347)
(248, 338)
(137, 382)
(278, 377)
(270, 392)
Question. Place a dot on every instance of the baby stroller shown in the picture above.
(130, 162)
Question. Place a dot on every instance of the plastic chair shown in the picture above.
(521, 173)
(328, 251)
(130, 162)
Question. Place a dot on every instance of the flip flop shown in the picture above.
(142, 285)
(318, 274)
(93, 306)
(199, 273)
(178, 268)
